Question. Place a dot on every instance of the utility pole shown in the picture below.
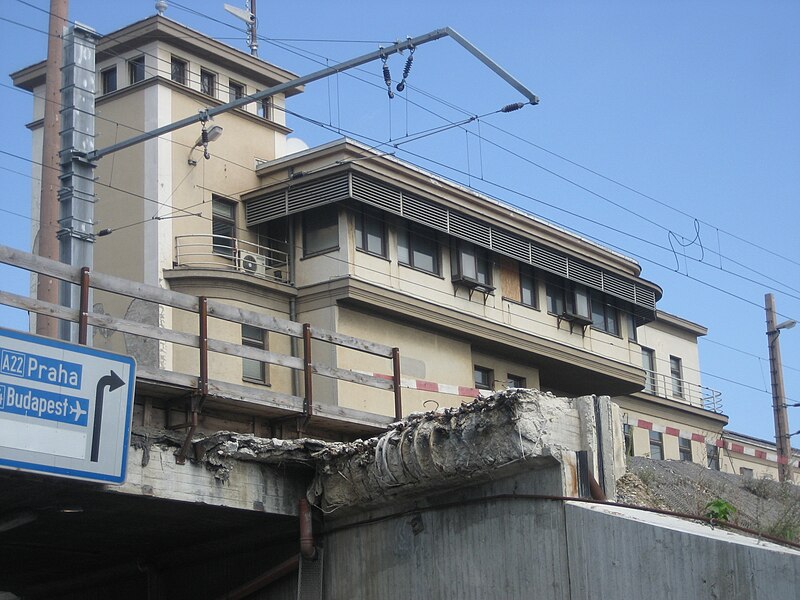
(782, 438)
(47, 288)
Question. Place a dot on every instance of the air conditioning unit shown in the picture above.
(252, 263)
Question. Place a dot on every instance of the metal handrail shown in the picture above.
(209, 251)
(680, 390)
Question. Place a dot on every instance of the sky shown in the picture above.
(666, 131)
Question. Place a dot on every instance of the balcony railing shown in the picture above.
(680, 390)
(206, 251)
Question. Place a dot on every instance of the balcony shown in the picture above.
(680, 390)
(206, 251)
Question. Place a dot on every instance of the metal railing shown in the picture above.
(208, 251)
(680, 390)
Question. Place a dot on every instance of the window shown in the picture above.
(685, 449)
(676, 372)
(370, 232)
(471, 263)
(604, 316)
(178, 70)
(516, 381)
(236, 91)
(745, 472)
(556, 298)
(136, 69)
(254, 370)
(208, 82)
(265, 109)
(656, 445)
(627, 433)
(484, 378)
(321, 230)
(527, 284)
(631, 321)
(563, 297)
(417, 247)
(223, 226)
(712, 456)
(108, 80)
(649, 366)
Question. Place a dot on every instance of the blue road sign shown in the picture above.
(65, 409)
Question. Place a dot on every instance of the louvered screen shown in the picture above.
(511, 245)
(318, 192)
(616, 286)
(425, 212)
(470, 229)
(548, 260)
(372, 192)
(585, 274)
(265, 209)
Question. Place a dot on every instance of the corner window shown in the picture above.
(676, 372)
(631, 322)
(370, 232)
(604, 316)
(108, 80)
(527, 284)
(236, 91)
(254, 370)
(685, 449)
(656, 445)
(208, 83)
(321, 230)
(649, 366)
(471, 263)
(136, 69)
(516, 381)
(484, 378)
(223, 226)
(712, 456)
(417, 247)
(178, 70)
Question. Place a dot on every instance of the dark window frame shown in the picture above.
(630, 319)
(676, 375)
(236, 90)
(712, 456)
(208, 83)
(315, 226)
(255, 337)
(566, 297)
(685, 449)
(108, 86)
(178, 70)
(486, 380)
(650, 383)
(528, 274)
(136, 69)
(656, 444)
(413, 239)
(371, 224)
(266, 109)
(223, 226)
(516, 381)
(627, 434)
(470, 263)
(605, 316)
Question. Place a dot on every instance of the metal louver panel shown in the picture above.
(619, 287)
(318, 192)
(548, 260)
(645, 297)
(511, 245)
(585, 274)
(372, 192)
(425, 212)
(264, 209)
(470, 229)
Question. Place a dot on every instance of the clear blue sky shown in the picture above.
(691, 106)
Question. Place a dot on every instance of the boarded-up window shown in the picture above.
(509, 279)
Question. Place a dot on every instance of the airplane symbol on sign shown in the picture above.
(77, 411)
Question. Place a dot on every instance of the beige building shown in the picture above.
(475, 294)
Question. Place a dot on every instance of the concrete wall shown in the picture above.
(545, 549)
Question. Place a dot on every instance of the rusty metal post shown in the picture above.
(398, 401)
(308, 405)
(83, 316)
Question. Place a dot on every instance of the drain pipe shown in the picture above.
(307, 548)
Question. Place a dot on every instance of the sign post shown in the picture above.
(65, 410)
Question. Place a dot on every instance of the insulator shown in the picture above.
(387, 76)
(407, 68)
(512, 107)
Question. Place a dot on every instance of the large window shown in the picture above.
(649, 366)
(471, 263)
(321, 230)
(417, 248)
(484, 378)
(604, 316)
(676, 372)
(254, 370)
(178, 70)
(136, 69)
(564, 297)
(527, 284)
(370, 232)
(108, 80)
(208, 83)
(685, 449)
(223, 225)
(656, 445)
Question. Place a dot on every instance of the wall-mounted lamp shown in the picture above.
(208, 135)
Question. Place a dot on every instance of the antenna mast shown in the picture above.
(251, 28)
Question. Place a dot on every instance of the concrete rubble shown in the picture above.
(425, 451)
